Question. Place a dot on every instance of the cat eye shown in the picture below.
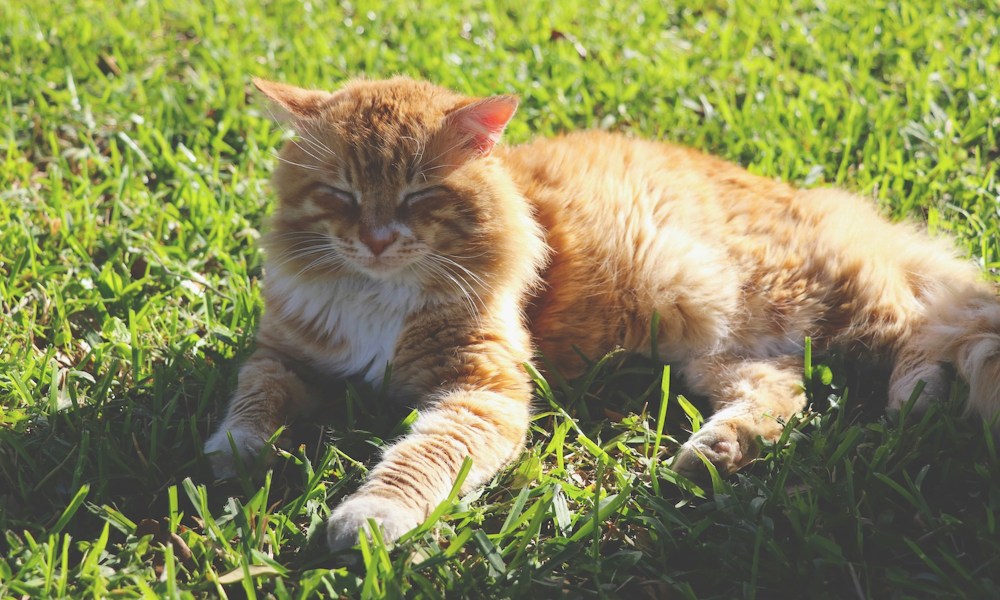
(343, 195)
(414, 197)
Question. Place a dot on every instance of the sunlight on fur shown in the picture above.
(405, 234)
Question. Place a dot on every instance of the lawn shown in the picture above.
(133, 186)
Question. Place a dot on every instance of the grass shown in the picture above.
(133, 183)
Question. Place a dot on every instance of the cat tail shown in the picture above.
(965, 333)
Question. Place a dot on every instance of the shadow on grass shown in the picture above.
(60, 472)
(127, 449)
(855, 502)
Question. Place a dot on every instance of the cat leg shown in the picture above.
(963, 330)
(417, 473)
(267, 395)
(752, 399)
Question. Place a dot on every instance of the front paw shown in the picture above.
(351, 518)
(248, 445)
(720, 444)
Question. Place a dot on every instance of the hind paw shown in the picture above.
(902, 387)
(720, 445)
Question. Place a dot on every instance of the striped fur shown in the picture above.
(403, 234)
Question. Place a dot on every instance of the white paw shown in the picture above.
(220, 453)
(935, 387)
(351, 518)
(720, 444)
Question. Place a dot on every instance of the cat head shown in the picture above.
(395, 179)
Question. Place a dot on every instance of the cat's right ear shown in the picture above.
(295, 102)
(481, 122)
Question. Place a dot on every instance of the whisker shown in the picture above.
(448, 279)
(283, 235)
(325, 260)
(292, 162)
(436, 167)
(318, 252)
(424, 172)
(461, 257)
(446, 265)
(447, 261)
(303, 244)
(418, 154)
(456, 283)
(317, 145)
(305, 149)
(446, 150)
(299, 133)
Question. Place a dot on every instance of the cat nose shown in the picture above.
(378, 240)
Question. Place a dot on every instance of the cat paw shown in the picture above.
(220, 455)
(932, 377)
(350, 519)
(719, 444)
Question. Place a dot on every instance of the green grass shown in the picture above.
(133, 184)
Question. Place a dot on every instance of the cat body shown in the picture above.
(404, 235)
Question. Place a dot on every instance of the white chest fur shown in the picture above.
(360, 318)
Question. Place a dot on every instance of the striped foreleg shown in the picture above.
(417, 473)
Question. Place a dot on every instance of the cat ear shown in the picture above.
(483, 121)
(297, 102)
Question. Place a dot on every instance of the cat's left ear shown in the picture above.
(297, 103)
(482, 122)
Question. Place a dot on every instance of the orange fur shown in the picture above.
(404, 234)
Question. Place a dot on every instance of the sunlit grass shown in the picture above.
(133, 185)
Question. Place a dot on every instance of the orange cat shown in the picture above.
(405, 235)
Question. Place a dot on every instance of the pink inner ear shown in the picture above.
(485, 120)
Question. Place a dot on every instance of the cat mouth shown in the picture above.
(381, 266)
